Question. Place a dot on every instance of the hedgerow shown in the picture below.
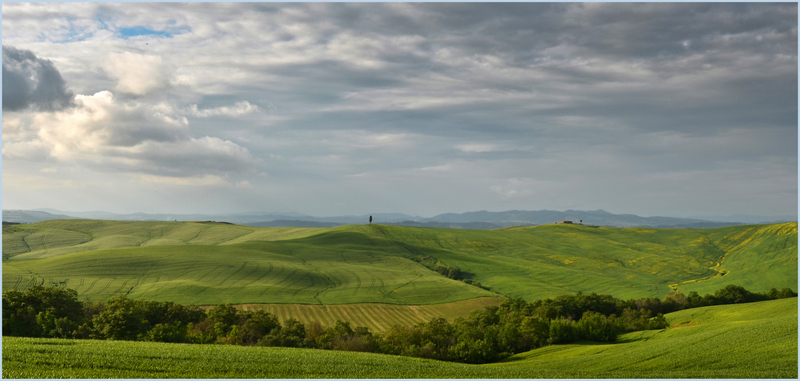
(487, 335)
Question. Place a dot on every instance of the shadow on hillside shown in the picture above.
(637, 336)
(526, 356)
(467, 275)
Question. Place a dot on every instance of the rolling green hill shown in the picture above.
(757, 340)
(754, 340)
(212, 263)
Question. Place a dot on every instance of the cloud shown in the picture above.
(191, 181)
(478, 147)
(438, 168)
(513, 189)
(29, 81)
(137, 74)
(34, 150)
(189, 157)
(132, 136)
(244, 184)
(30, 182)
(238, 109)
(589, 94)
(206, 180)
(100, 123)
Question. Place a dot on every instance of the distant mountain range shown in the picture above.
(470, 220)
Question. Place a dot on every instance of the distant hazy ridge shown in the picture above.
(469, 220)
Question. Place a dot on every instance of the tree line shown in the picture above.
(451, 272)
(485, 336)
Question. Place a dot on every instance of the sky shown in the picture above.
(669, 109)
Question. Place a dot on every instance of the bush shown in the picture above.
(562, 331)
(167, 333)
(361, 340)
(292, 334)
(732, 294)
(53, 326)
(473, 352)
(534, 332)
(122, 319)
(225, 314)
(202, 332)
(257, 325)
(594, 326)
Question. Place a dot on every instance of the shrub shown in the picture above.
(257, 325)
(736, 294)
(167, 333)
(594, 326)
(122, 319)
(562, 331)
(202, 332)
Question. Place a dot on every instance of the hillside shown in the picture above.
(212, 263)
(757, 340)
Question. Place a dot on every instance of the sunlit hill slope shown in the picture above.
(212, 263)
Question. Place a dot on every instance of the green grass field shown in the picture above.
(757, 340)
(212, 263)
(144, 260)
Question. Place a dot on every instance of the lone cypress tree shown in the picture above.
(370, 219)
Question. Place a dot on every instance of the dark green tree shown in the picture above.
(122, 319)
(41, 312)
(292, 334)
(257, 325)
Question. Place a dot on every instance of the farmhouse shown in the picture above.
(566, 222)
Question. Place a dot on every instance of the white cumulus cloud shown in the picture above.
(137, 74)
(126, 136)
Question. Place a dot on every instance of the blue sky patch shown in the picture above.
(139, 30)
(142, 31)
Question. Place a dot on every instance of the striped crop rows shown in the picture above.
(377, 317)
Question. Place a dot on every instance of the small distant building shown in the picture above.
(566, 222)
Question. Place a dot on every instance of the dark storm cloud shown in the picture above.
(29, 81)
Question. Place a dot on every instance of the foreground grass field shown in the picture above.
(757, 340)
(213, 263)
